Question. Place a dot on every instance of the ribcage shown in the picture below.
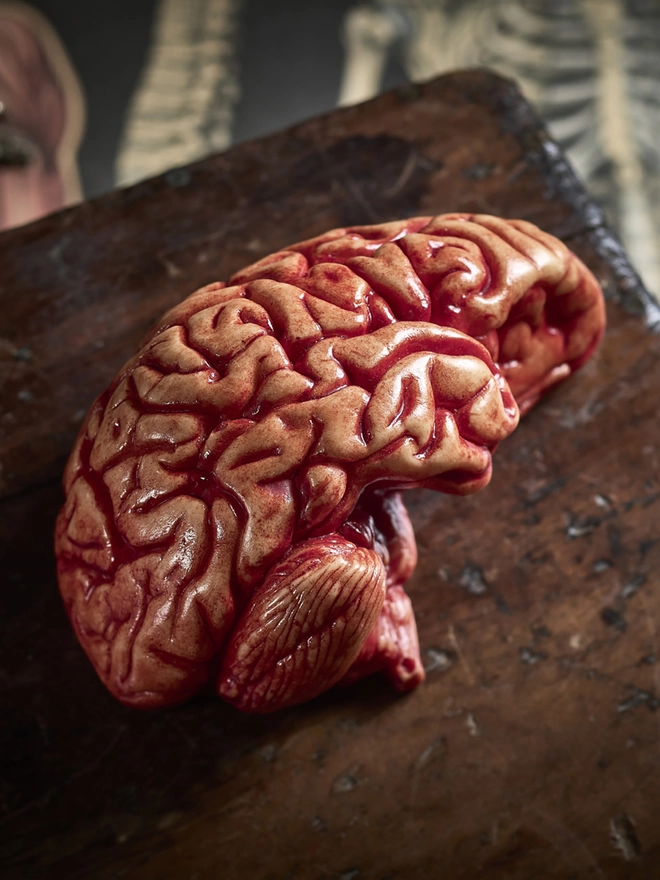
(591, 67)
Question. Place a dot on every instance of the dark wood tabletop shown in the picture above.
(533, 748)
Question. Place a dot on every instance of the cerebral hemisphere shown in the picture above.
(233, 515)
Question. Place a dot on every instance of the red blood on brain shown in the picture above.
(232, 512)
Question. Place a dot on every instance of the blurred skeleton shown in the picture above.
(183, 107)
(591, 68)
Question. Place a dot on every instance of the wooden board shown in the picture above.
(532, 749)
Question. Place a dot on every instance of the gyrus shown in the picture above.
(233, 514)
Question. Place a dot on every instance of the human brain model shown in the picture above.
(233, 515)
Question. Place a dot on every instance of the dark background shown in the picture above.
(289, 56)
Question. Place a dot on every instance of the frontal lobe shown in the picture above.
(258, 413)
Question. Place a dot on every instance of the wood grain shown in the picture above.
(532, 749)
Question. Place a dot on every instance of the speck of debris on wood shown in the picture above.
(530, 656)
(601, 565)
(580, 527)
(502, 606)
(472, 580)
(318, 824)
(25, 395)
(23, 354)
(544, 491)
(633, 585)
(267, 752)
(648, 660)
(434, 753)
(472, 726)
(637, 699)
(437, 660)
(611, 617)
(624, 837)
(603, 501)
(343, 784)
(351, 874)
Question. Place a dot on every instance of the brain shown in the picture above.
(233, 517)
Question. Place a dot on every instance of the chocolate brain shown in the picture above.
(233, 515)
